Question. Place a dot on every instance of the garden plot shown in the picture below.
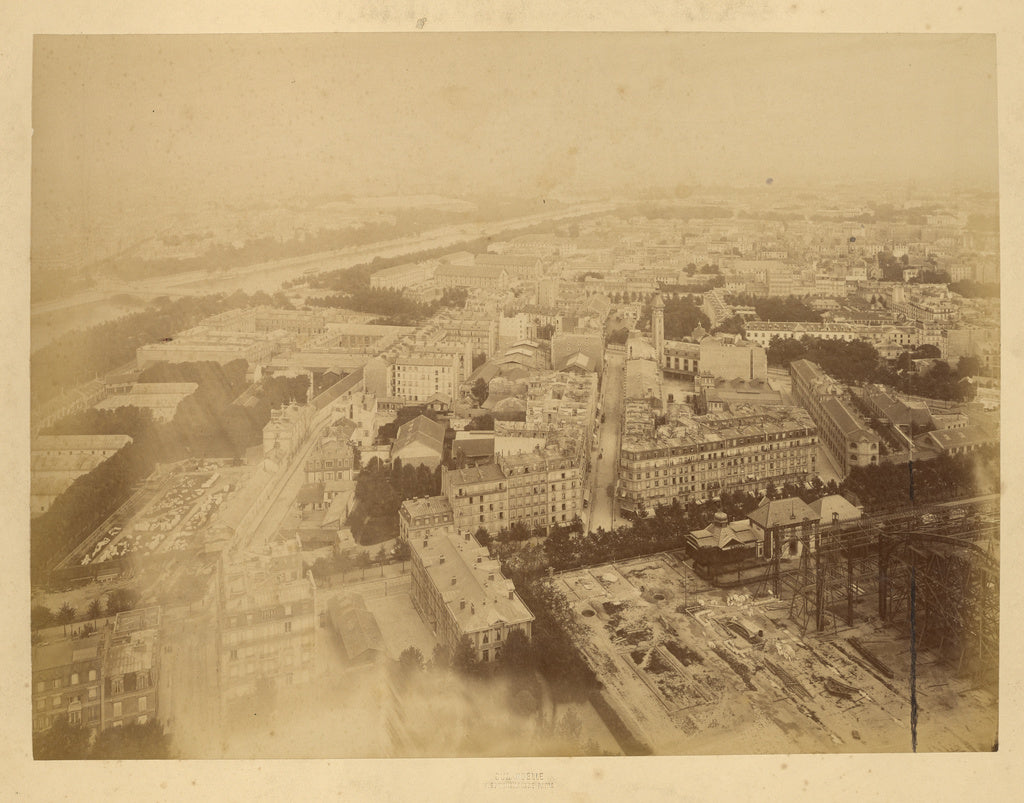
(176, 518)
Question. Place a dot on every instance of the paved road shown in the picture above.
(602, 503)
(278, 509)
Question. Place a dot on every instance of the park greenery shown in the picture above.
(887, 486)
(858, 362)
(682, 316)
(380, 491)
(79, 356)
(394, 308)
(776, 308)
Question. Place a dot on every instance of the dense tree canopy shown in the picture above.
(682, 315)
(775, 308)
(858, 362)
(380, 491)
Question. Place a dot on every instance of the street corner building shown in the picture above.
(457, 588)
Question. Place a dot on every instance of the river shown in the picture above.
(53, 319)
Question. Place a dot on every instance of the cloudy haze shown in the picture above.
(133, 119)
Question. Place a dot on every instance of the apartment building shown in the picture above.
(420, 377)
(459, 590)
(266, 621)
(693, 458)
(131, 669)
(545, 487)
(332, 459)
(67, 682)
(427, 515)
(849, 440)
(285, 431)
(478, 496)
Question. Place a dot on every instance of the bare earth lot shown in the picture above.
(696, 670)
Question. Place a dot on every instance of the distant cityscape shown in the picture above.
(684, 473)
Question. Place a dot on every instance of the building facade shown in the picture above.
(459, 591)
(131, 669)
(266, 623)
(697, 458)
(848, 439)
(67, 682)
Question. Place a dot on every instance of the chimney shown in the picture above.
(453, 581)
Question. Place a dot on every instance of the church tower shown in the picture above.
(658, 328)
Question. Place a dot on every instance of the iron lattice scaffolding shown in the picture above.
(948, 553)
(956, 596)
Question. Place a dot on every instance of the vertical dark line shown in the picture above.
(913, 657)
(910, 466)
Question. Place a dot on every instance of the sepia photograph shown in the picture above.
(513, 394)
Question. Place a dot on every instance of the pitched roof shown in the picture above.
(420, 430)
(577, 359)
(427, 506)
(834, 503)
(357, 627)
(723, 533)
(848, 424)
(968, 436)
(782, 513)
(470, 582)
(473, 447)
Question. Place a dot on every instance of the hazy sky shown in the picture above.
(131, 118)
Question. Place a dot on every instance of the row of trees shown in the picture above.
(79, 356)
(775, 308)
(888, 486)
(395, 308)
(324, 568)
(666, 529)
(118, 600)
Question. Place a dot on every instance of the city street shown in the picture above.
(602, 498)
(278, 509)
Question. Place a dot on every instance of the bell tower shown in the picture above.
(658, 328)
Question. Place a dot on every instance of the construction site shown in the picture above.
(881, 637)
